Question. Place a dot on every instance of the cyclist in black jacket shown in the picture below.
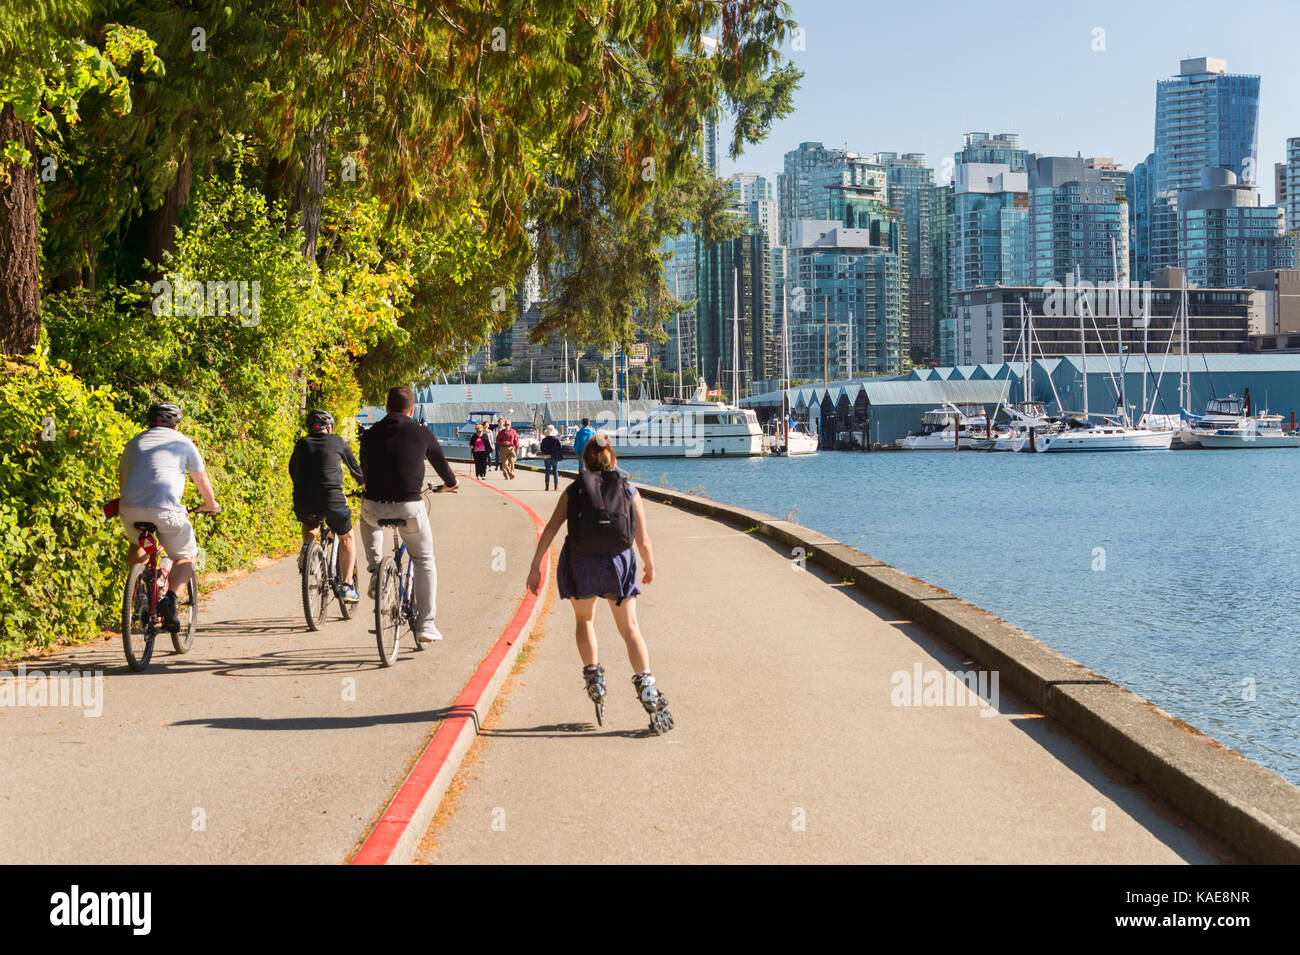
(393, 455)
(316, 467)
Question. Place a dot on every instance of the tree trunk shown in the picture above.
(20, 250)
(161, 223)
(312, 189)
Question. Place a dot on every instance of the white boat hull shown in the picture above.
(1106, 440)
(1250, 441)
(738, 446)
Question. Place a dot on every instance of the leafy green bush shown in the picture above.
(241, 380)
(61, 564)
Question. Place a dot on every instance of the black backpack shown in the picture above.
(601, 518)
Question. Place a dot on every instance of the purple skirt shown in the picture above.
(613, 578)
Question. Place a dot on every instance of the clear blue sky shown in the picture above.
(914, 76)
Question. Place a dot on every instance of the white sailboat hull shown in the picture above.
(1106, 439)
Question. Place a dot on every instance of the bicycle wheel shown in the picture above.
(137, 627)
(408, 609)
(388, 612)
(315, 586)
(187, 609)
(346, 609)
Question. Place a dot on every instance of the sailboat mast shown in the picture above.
(785, 363)
(735, 336)
(1083, 344)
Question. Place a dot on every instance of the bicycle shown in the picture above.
(394, 597)
(145, 585)
(321, 577)
(395, 594)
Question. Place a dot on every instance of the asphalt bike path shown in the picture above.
(266, 743)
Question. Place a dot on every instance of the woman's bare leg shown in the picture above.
(584, 615)
(625, 620)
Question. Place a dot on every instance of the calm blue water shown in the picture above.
(1197, 573)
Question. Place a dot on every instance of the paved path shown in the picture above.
(787, 746)
(248, 748)
(267, 743)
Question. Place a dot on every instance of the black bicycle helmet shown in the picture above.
(164, 413)
(319, 420)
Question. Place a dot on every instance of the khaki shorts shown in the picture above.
(175, 532)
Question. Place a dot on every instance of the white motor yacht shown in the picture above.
(1261, 431)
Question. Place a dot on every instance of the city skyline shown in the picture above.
(1049, 92)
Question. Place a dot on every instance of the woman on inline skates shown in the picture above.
(605, 518)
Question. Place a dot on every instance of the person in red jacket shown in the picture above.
(508, 442)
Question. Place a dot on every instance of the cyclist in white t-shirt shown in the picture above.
(151, 474)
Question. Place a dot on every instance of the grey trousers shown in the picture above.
(418, 537)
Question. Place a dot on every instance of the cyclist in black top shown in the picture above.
(393, 456)
(316, 467)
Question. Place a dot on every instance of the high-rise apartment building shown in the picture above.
(1002, 149)
(909, 184)
(846, 296)
(1291, 191)
(941, 327)
(824, 184)
(989, 229)
(1206, 117)
(1078, 218)
(1225, 234)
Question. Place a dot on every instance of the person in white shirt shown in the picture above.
(151, 477)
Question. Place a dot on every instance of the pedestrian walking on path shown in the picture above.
(553, 453)
(481, 446)
(605, 517)
(582, 437)
(508, 445)
(393, 454)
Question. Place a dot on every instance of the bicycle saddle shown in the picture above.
(146, 526)
(392, 522)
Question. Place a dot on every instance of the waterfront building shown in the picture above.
(846, 307)
(1220, 319)
(1278, 325)
(1206, 117)
(989, 228)
(1289, 195)
(1078, 217)
(909, 188)
(1225, 234)
(887, 409)
(830, 184)
(941, 328)
(738, 265)
(1138, 191)
(681, 273)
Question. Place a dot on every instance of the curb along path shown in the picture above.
(394, 838)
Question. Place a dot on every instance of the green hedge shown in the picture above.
(61, 563)
(241, 386)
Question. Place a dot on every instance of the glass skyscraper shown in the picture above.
(1077, 209)
(909, 183)
(1206, 117)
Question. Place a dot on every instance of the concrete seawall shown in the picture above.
(1251, 808)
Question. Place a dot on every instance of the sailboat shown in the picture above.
(790, 437)
(1116, 433)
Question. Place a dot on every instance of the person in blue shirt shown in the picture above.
(582, 437)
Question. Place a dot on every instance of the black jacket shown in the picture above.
(393, 453)
(552, 448)
(316, 467)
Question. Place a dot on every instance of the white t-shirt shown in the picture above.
(153, 467)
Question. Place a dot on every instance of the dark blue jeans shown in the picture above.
(552, 471)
